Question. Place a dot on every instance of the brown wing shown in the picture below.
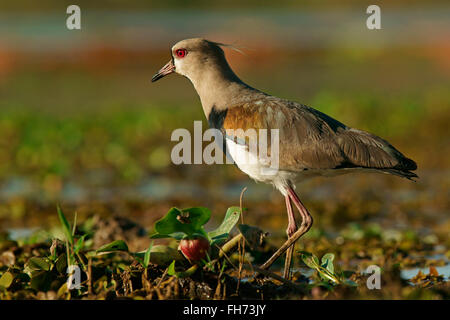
(309, 139)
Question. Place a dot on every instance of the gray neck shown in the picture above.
(218, 87)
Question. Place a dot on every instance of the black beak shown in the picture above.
(167, 69)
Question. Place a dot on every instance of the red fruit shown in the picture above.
(194, 249)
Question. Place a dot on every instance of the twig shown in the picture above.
(230, 244)
(90, 275)
(227, 247)
(218, 288)
(162, 278)
(240, 204)
(270, 274)
(224, 255)
(241, 244)
(158, 292)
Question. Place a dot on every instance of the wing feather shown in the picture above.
(310, 139)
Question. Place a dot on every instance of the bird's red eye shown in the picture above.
(181, 53)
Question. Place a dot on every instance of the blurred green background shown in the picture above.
(81, 124)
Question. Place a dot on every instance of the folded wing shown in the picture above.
(309, 139)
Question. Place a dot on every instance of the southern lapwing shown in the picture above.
(310, 142)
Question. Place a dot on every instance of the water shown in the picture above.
(411, 273)
(442, 270)
(16, 234)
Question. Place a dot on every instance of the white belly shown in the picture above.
(249, 162)
(260, 169)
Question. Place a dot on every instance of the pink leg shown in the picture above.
(292, 227)
(301, 208)
(307, 222)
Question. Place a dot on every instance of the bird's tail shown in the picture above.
(403, 169)
(402, 173)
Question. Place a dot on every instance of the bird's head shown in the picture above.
(192, 57)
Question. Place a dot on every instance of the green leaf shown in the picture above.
(61, 263)
(79, 244)
(159, 254)
(6, 280)
(324, 274)
(327, 262)
(118, 245)
(63, 290)
(171, 269)
(37, 263)
(147, 255)
(74, 224)
(221, 233)
(65, 225)
(310, 259)
(325, 270)
(188, 221)
(175, 235)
